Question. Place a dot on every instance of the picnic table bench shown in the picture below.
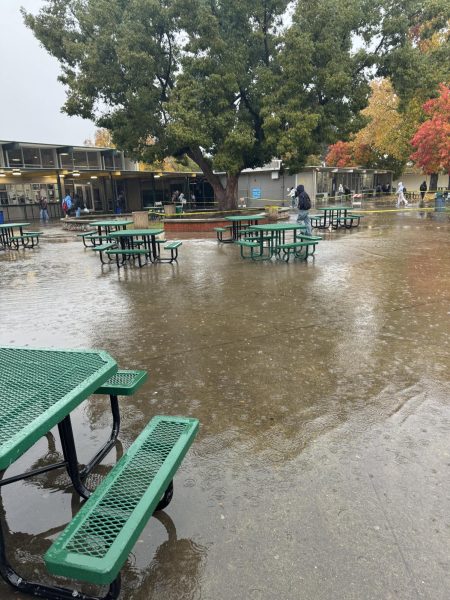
(351, 220)
(335, 216)
(98, 540)
(87, 236)
(28, 239)
(102, 248)
(220, 231)
(173, 248)
(299, 249)
(39, 389)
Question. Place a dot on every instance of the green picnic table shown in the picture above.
(7, 233)
(109, 225)
(241, 222)
(134, 238)
(267, 236)
(332, 216)
(39, 388)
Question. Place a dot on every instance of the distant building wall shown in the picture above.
(265, 185)
(412, 181)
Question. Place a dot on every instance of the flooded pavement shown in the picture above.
(322, 466)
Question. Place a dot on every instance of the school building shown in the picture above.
(30, 171)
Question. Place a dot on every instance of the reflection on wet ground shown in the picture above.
(321, 470)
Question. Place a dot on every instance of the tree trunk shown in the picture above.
(225, 196)
(433, 181)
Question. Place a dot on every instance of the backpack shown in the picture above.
(64, 206)
(304, 201)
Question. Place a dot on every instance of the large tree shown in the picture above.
(230, 84)
(384, 142)
(432, 139)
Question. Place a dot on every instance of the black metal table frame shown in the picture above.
(127, 242)
(76, 476)
(334, 216)
(5, 236)
(278, 236)
(238, 226)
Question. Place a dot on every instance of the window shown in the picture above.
(15, 158)
(117, 162)
(93, 160)
(3, 195)
(47, 157)
(66, 161)
(109, 163)
(31, 157)
(80, 159)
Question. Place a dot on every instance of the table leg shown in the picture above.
(109, 443)
(154, 248)
(70, 456)
(38, 590)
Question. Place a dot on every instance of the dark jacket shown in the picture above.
(423, 186)
(304, 201)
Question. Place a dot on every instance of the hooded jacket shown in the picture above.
(304, 201)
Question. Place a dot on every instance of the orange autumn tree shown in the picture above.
(340, 154)
(432, 139)
(384, 142)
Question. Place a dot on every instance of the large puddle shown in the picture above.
(321, 470)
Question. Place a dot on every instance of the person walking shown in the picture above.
(304, 204)
(43, 210)
(400, 194)
(67, 204)
(78, 202)
(423, 189)
(120, 203)
(292, 194)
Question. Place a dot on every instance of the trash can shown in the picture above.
(178, 208)
(140, 219)
(439, 202)
(2, 219)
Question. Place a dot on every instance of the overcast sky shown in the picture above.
(30, 96)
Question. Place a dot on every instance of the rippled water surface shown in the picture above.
(321, 470)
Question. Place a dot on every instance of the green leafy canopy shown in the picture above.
(230, 84)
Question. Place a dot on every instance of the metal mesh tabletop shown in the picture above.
(111, 222)
(39, 387)
(135, 233)
(277, 227)
(12, 225)
(245, 217)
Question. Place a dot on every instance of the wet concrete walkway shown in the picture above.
(321, 470)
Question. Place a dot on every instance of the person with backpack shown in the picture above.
(303, 204)
(67, 204)
(423, 189)
(401, 194)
